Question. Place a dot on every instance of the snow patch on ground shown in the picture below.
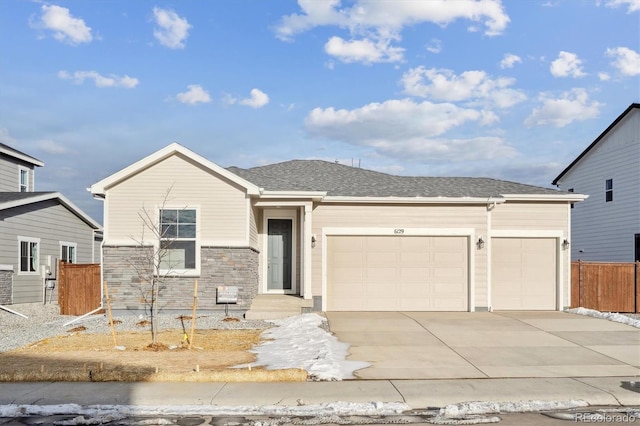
(300, 342)
(120, 411)
(611, 316)
(465, 409)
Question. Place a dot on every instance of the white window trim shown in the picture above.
(69, 244)
(198, 248)
(28, 183)
(28, 240)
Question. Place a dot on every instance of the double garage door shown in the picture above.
(397, 273)
(431, 273)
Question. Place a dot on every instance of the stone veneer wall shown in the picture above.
(219, 266)
(6, 283)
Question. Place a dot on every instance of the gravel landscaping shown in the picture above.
(45, 321)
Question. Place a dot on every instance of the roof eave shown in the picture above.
(314, 195)
(22, 157)
(413, 200)
(50, 196)
(568, 197)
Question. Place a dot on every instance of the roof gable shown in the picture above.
(18, 155)
(593, 144)
(100, 188)
(10, 200)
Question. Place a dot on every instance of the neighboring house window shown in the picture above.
(29, 252)
(608, 190)
(24, 180)
(68, 252)
(637, 256)
(177, 239)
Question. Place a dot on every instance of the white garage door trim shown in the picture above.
(559, 236)
(430, 232)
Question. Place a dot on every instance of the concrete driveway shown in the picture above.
(453, 345)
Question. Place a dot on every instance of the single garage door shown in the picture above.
(523, 273)
(393, 273)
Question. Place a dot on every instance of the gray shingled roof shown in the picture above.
(6, 149)
(341, 180)
(16, 196)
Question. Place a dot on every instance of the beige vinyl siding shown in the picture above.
(253, 226)
(222, 206)
(51, 223)
(402, 216)
(530, 216)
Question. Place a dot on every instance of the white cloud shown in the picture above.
(383, 16)
(603, 76)
(627, 61)
(172, 30)
(567, 65)
(65, 27)
(6, 138)
(79, 77)
(366, 51)
(445, 85)
(406, 129)
(559, 112)
(510, 60)
(52, 147)
(435, 46)
(374, 25)
(632, 5)
(195, 95)
(258, 99)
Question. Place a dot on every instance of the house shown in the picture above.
(37, 229)
(606, 227)
(342, 238)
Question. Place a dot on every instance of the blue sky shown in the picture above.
(512, 90)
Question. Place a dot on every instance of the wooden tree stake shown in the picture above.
(193, 314)
(113, 330)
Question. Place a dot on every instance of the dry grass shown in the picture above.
(94, 357)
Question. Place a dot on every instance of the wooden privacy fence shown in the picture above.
(78, 288)
(606, 287)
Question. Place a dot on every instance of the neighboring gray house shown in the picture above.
(606, 227)
(36, 229)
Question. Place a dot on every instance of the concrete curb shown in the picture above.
(417, 394)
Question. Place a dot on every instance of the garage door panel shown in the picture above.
(524, 273)
(400, 273)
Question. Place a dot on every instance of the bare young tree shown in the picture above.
(160, 253)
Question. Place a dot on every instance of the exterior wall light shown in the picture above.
(480, 243)
(565, 244)
(313, 240)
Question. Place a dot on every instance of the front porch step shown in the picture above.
(276, 306)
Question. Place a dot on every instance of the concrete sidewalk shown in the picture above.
(418, 394)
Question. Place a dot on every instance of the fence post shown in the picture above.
(635, 285)
(580, 284)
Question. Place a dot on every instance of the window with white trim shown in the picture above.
(29, 249)
(608, 190)
(24, 179)
(68, 252)
(177, 240)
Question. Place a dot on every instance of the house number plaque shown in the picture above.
(398, 231)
